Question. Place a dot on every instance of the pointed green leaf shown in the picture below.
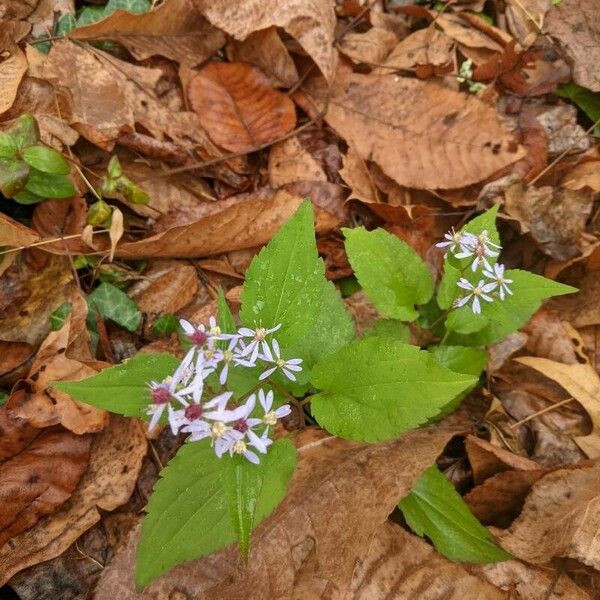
(391, 328)
(59, 316)
(435, 509)
(122, 389)
(13, 176)
(46, 160)
(508, 315)
(25, 197)
(48, 185)
(25, 131)
(392, 274)
(376, 388)
(203, 503)
(8, 146)
(588, 101)
(226, 320)
(116, 305)
(165, 325)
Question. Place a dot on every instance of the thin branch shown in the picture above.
(49, 241)
(540, 412)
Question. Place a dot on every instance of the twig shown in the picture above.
(540, 412)
(49, 241)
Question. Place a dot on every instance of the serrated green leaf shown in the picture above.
(376, 388)
(284, 283)
(116, 305)
(59, 316)
(46, 160)
(508, 315)
(390, 328)
(48, 185)
(225, 318)
(165, 325)
(122, 389)
(197, 508)
(435, 509)
(25, 131)
(13, 176)
(8, 146)
(392, 274)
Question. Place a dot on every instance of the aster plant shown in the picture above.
(293, 349)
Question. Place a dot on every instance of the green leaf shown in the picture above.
(90, 14)
(131, 191)
(123, 389)
(59, 316)
(225, 318)
(376, 388)
(25, 131)
(48, 185)
(588, 101)
(132, 6)
(114, 169)
(508, 315)
(165, 325)
(46, 160)
(116, 305)
(25, 197)
(13, 176)
(284, 283)
(8, 146)
(202, 503)
(395, 330)
(4, 396)
(65, 25)
(436, 510)
(98, 213)
(390, 271)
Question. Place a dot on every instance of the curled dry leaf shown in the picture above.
(39, 478)
(115, 462)
(550, 337)
(15, 356)
(174, 30)
(12, 67)
(14, 234)
(355, 173)
(371, 47)
(289, 161)
(421, 134)
(525, 19)
(561, 517)
(310, 22)
(574, 23)
(309, 542)
(238, 107)
(472, 32)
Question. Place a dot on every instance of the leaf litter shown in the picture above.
(227, 115)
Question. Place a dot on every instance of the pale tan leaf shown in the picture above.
(561, 517)
(13, 66)
(174, 30)
(115, 463)
(115, 233)
(525, 19)
(583, 383)
(472, 31)
(310, 22)
(371, 47)
(584, 175)
(356, 174)
(14, 234)
(421, 134)
(289, 162)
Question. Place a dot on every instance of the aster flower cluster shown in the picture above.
(479, 248)
(232, 427)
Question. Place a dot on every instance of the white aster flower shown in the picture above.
(271, 416)
(497, 275)
(286, 366)
(196, 387)
(226, 357)
(478, 247)
(455, 240)
(197, 335)
(258, 340)
(478, 291)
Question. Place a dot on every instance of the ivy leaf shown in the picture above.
(46, 160)
(508, 315)
(165, 325)
(376, 388)
(24, 131)
(202, 503)
(122, 389)
(114, 304)
(390, 271)
(391, 328)
(284, 283)
(435, 509)
(13, 176)
(59, 316)
(48, 185)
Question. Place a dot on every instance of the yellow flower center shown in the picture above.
(261, 334)
(280, 362)
(227, 356)
(239, 447)
(216, 330)
(218, 429)
(270, 418)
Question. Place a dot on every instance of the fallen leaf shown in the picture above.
(581, 381)
(39, 478)
(289, 162)
(174, 30)
(115, 463)
(12, 66)
(562, 130)
(358, 177)
(574, 24)
(115, 232)
(14, 234)
(560, 518)
(582, 309)
(15, 356)
(471, 31)
(411, 130)
(525, 19)
(238, 107)
(15, 434)
(265, 49)
(310, 22)
(586, 174)
(550, 337)
(371, 47)
(314, 545)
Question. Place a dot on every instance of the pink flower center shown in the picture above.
(198, 338)
(241, 426)
(160, 395)
(193, 411)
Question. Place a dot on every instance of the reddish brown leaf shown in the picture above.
(15, 434)
(238, 107)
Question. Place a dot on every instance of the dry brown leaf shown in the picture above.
(356, 174)
(238, 107)
(128, 94)
(39, 478)
(561, 517)
(243, 225)
(421, 134)
(305, 544)
(174, 30)
(289, 161)
(14, 234)
(574, 23)
(556, 217)
(472, 32)
(114, 466)
(583, 175)
(525, 19)
(115, 233)
(13, 65)
(310, 22)
(401, 566)
(583, 383)
(582, 309)
(549, 337)
(15, 357)
(562, 129)
(500, 352)
(266, 50)
(371, 47)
